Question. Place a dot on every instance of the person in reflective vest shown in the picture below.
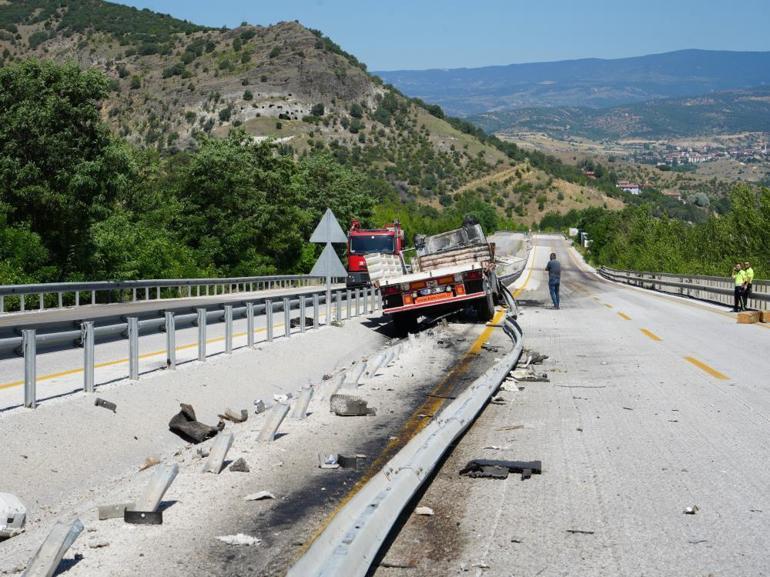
(740, 280)
(749, 277)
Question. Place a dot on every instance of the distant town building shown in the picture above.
(632, 187)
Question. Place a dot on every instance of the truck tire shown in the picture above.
(405, 323)
(485, 308)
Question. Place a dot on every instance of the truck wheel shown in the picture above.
(485, 308)
(405, 323)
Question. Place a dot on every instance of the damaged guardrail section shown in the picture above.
(351, 541)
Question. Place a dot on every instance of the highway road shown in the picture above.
(654, 404)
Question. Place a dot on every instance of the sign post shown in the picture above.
(328, 264)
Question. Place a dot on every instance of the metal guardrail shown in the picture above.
(21, 297)
(351, 541)
(357, 301)
(709, 288)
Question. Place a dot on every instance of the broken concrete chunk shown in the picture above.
(427, 511)
(240, 466)
(691, 510)
(218, 453)
(161, 480)
(328, 461)
(113, 511)
(273, 422)
(13, 515)
(106, 404)
(259, 406)
(185, 425)
(259, 496)
(235, 417)
(98, 543)
(345, 405)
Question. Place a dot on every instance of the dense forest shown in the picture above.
(636, 238)
(78, 202)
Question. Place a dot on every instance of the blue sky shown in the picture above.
(403, 34)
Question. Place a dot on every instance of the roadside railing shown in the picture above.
(707, 288)
(59, 295)
(355, 302)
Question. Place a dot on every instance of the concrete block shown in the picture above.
(748, 317)
(275, 417)
(50, 554)
(161, 480)
(218, 453)
(301, 404)
(114, 511)
(13, 515)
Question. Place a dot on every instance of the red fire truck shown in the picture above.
(387, 240)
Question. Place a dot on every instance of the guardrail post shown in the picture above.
(269, 319)
(338, 305)
(286, 317)
(60, 299)
(201, 334)
(348, 302)
(157, 293)
(228, 329)
(133, 348)
(302, 313)
(379, 300)
(87, 336)
(133, 295)
(93, 297)
(170, 341)
(22, 303)
(2, 303)
(316, 304)
(358, 302)
(29, 346)
(371, 300)
(250, 324)
(41, 301)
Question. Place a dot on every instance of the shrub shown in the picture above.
(318, 110)
(225, 114)
(279, 125)
(136, 83)
(247, 95)
(275, 52)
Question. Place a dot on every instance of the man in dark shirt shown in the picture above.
(554, 279)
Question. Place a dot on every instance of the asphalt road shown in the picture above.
(654, 404)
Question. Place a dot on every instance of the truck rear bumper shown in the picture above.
(440, 303)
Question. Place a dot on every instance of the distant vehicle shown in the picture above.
(452, 270)
(361, 242)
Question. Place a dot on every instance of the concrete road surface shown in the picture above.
(654, 404)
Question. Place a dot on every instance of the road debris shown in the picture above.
(328, 461)
(259, 406)
(231, 415)
(106, 405)
(13, 515)
(356, 462)
(274, 419)
(185, 425)
(239, 539)
(487, 468)
(511, 428)
(580, 532)
(498, 401)
(240, 466)
(397, 565)
(691, 510)
(344, 405)
(425, 511)
(149, 462)
(144, 508)
(98, 543)
(218, 453)
(114, 511)
(50, 553)
(259, 496)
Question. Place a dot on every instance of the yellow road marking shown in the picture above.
(651, 334)
(710, 370)
(624, 316)
(69, 372)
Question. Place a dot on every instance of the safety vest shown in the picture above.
(740, 278)
(749, 275)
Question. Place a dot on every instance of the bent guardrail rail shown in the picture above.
(350, 543)
(357, 301)
(70, 293)
(708, 288)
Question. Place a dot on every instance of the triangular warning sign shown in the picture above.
(328, 264)
(328, 230)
